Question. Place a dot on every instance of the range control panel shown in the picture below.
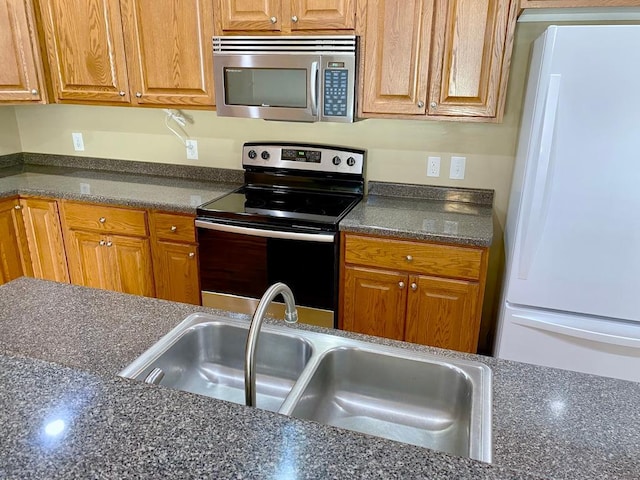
(298, 156)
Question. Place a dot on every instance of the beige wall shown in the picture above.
(9, 135)
(397, 149)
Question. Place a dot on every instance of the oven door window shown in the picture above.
(244, 265)
(266, 87)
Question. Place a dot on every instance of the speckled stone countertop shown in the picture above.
(440, 214)
(134, 184)
(547, 423)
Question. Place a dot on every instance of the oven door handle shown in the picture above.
(258, 232)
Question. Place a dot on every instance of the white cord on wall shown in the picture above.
(178, 117)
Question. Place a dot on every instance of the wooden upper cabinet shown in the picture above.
(248, 15)
(395, 56)
(323, 14)
(85, 49)
(169, 51)
(472, 40)
(578, 3)
(21, 78)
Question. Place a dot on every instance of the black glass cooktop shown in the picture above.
(265, 205)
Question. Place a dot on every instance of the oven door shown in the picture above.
(238, 264)
(273, 87)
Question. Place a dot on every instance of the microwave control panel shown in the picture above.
(336, 82)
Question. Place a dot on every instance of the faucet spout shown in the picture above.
(290, 316)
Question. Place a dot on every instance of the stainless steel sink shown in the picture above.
(208, 358)
(412, 397)
(423, 403)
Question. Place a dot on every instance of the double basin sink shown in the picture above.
(411, 397)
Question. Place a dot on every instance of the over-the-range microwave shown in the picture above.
(295, 78)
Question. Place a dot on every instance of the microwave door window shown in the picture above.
(266, 87)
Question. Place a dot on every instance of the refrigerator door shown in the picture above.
(573, 234)
(583, 344)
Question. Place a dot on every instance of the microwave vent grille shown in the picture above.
(326, 44)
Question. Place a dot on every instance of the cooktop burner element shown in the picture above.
(298, 186)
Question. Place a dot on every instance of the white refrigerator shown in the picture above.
(571, 296)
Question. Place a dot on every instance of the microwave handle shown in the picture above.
(313, 88)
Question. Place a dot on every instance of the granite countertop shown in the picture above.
(59, 360)
(133, 184)
(416, 212)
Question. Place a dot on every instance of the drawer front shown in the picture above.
(173, 227)
(418, 257)
(101, 218)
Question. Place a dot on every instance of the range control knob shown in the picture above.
(351, 161)
(265, 155)
(252, 154)
(336, 160)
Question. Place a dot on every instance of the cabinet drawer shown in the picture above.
(100, 218)
(173, 227)
(425, 258)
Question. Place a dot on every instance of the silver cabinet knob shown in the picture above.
(401, 284)
(109, 243)
(173, 228)
(121, 93)
(414, 286)
(138, 95)
(274, 19)
(101, 243)
(433, 104)
(294, 19)
(192, 254)
(18, 207)
(409, 258)
(420, 104)
(102, 219)
(34, 92)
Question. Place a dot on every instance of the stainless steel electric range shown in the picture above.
(280, 226)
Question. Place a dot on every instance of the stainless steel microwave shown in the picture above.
(296, 78)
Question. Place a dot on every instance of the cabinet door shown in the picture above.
(85, 50)
(89, 259)
(471, 51)
(176, 272)
(169, 51)
(443, 313)
(21, 77)
(374, 302)
(44, 237)
(323, 14)
(130, 259)
(14, 254)
(248, 15)
(395, 56)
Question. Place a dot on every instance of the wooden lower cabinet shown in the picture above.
(374, 302)
(43, 232)
(175, 257)
(108, 247)
(176, 272)
(441, 313)
(419, 292)
(14, 253)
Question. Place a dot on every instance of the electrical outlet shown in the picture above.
(78, 142)
(192, 149)
(457, 168)
(433, 167)
(85, 188)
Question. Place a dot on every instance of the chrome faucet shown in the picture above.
(290, 316)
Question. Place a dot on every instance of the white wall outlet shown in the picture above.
(85, 188)
(78, 142)
(195, 200)
(457, 168)
(192, 149)
(450, 227)
(433, 167)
